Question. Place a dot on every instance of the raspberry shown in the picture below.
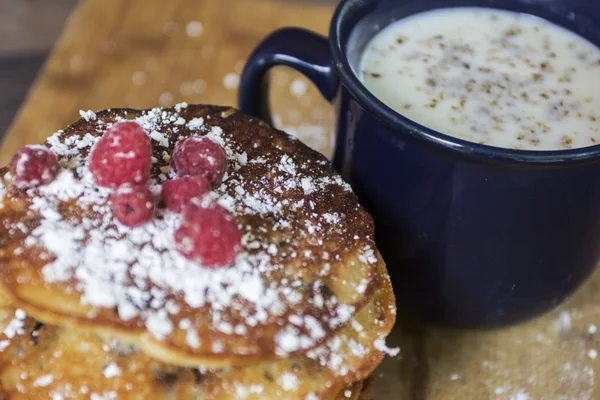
(208, 234)
(132, 205)
(179, 192)
(122, 156)
(34, 166)
(200, 156)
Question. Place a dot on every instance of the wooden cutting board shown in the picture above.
(144, 53)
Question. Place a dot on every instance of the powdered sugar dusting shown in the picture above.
(14, 328)
(104, 396)
(43, 381)
(381, 346)
(87, 115)
(112, 370)
(195, 124)
(315, 136)
(136, 270)
(288, 382)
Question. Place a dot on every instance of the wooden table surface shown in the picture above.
(144, 53)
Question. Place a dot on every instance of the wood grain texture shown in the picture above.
(137, 53)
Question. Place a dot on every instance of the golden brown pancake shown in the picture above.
(92, 309)
(42, 361)
(308, 264)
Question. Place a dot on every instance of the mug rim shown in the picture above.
(394, 119)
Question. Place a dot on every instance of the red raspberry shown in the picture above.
(200, 156)
(208, 234)
(132, 205)
(33, 166)
(179, 192)
(122, 156)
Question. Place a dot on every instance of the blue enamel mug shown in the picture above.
(473, 236)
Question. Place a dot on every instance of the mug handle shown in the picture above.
(297, 48)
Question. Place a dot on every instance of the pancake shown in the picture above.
(350, 356)
(308, 263)
(44, 361)
(93, 309)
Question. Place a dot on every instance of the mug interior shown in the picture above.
(356, 22)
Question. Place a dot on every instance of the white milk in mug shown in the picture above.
(488, 76)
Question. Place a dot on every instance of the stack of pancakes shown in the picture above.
(92, 309)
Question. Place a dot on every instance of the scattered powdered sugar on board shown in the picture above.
(165, 99)
(298, 87)
(76, 63)
(231, 81)
(521, 395)
(551, 357)
(199, 86)
(170, 28)
(194, 29)
(314, 136)
(563, 322)
(138, 78)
